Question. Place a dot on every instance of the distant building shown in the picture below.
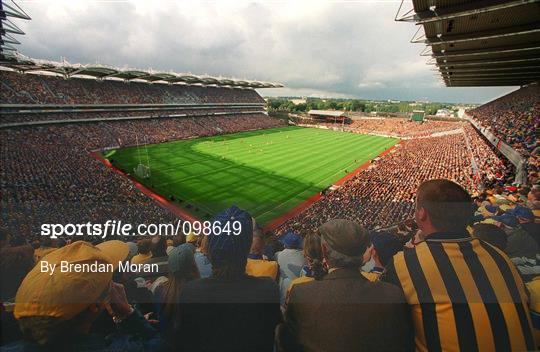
(332, 116)
(297, 101)
(444, 113)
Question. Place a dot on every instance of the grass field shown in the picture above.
(266, 172)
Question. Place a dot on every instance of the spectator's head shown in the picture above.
(313, 254)
(182, 269)
(46, 242)
(257, 246)
(383, 247)
(291, 240)
(143, 246)
(203, 244)
(132, 248)
(273, 245)
(5, 238)
(35, 244)
(228, 252)
(60, 242)
(192, 238)
(15, 263)
(49, 307)
(442, 206)
(343, 243)
(182, 262)
(533, 199)
(178, 240)
(158, 246)
(491, 234)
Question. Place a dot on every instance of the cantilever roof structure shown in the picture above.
(8, 28)
(480, 43)
(24, 64)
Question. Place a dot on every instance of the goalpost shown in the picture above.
(142, 169)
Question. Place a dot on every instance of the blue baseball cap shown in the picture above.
(181, 258)
(386, 245)
(226, 248)
(523, 212)
(291, 240)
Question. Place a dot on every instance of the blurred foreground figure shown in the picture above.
(55, 311)
(465, 294)
(230, 311)
(345, 311)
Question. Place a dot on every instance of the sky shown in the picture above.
(350, 49)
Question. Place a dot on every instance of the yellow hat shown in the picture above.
(191, 238)
(505, 207)
(66, 293)
(490, 221)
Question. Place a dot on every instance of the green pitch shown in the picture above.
(266, 172)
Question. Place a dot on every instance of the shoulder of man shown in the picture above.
(398, 263)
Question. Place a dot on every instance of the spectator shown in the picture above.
(182, 269)
(133, 249)
(201, 258)
(534, 289)
(45, 248)
(144, 253)
(331, 314)
(55, 312)
(256, 265)
(239, 311)
(445, 276)
(383, 247)
(15, 264)
(314, 268)
(491, 234)
(158, 247)
(523, 239)
(5, 239)
(290, 261)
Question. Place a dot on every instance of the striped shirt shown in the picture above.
(465, 295)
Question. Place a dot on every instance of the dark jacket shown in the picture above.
(346, 312)
(134, 334)
(228, 315)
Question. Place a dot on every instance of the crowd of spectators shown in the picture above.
(302, 291)
(10, 118)
(384, 193)
(399, 127)
(48, 89)
(48, 176)
(514, 118)
(387, 244)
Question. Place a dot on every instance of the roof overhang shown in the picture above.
(480, 43)
(22, 63)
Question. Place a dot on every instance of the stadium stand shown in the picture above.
(45, 89)
(514, 118)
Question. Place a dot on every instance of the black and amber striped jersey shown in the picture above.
(464, 294)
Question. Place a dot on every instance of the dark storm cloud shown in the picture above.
(314, 48)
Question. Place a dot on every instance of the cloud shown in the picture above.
(345, 49)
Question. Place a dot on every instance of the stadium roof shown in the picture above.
(480, 43)
(7, 27)
(22, 63)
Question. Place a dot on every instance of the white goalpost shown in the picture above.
(142, 169)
